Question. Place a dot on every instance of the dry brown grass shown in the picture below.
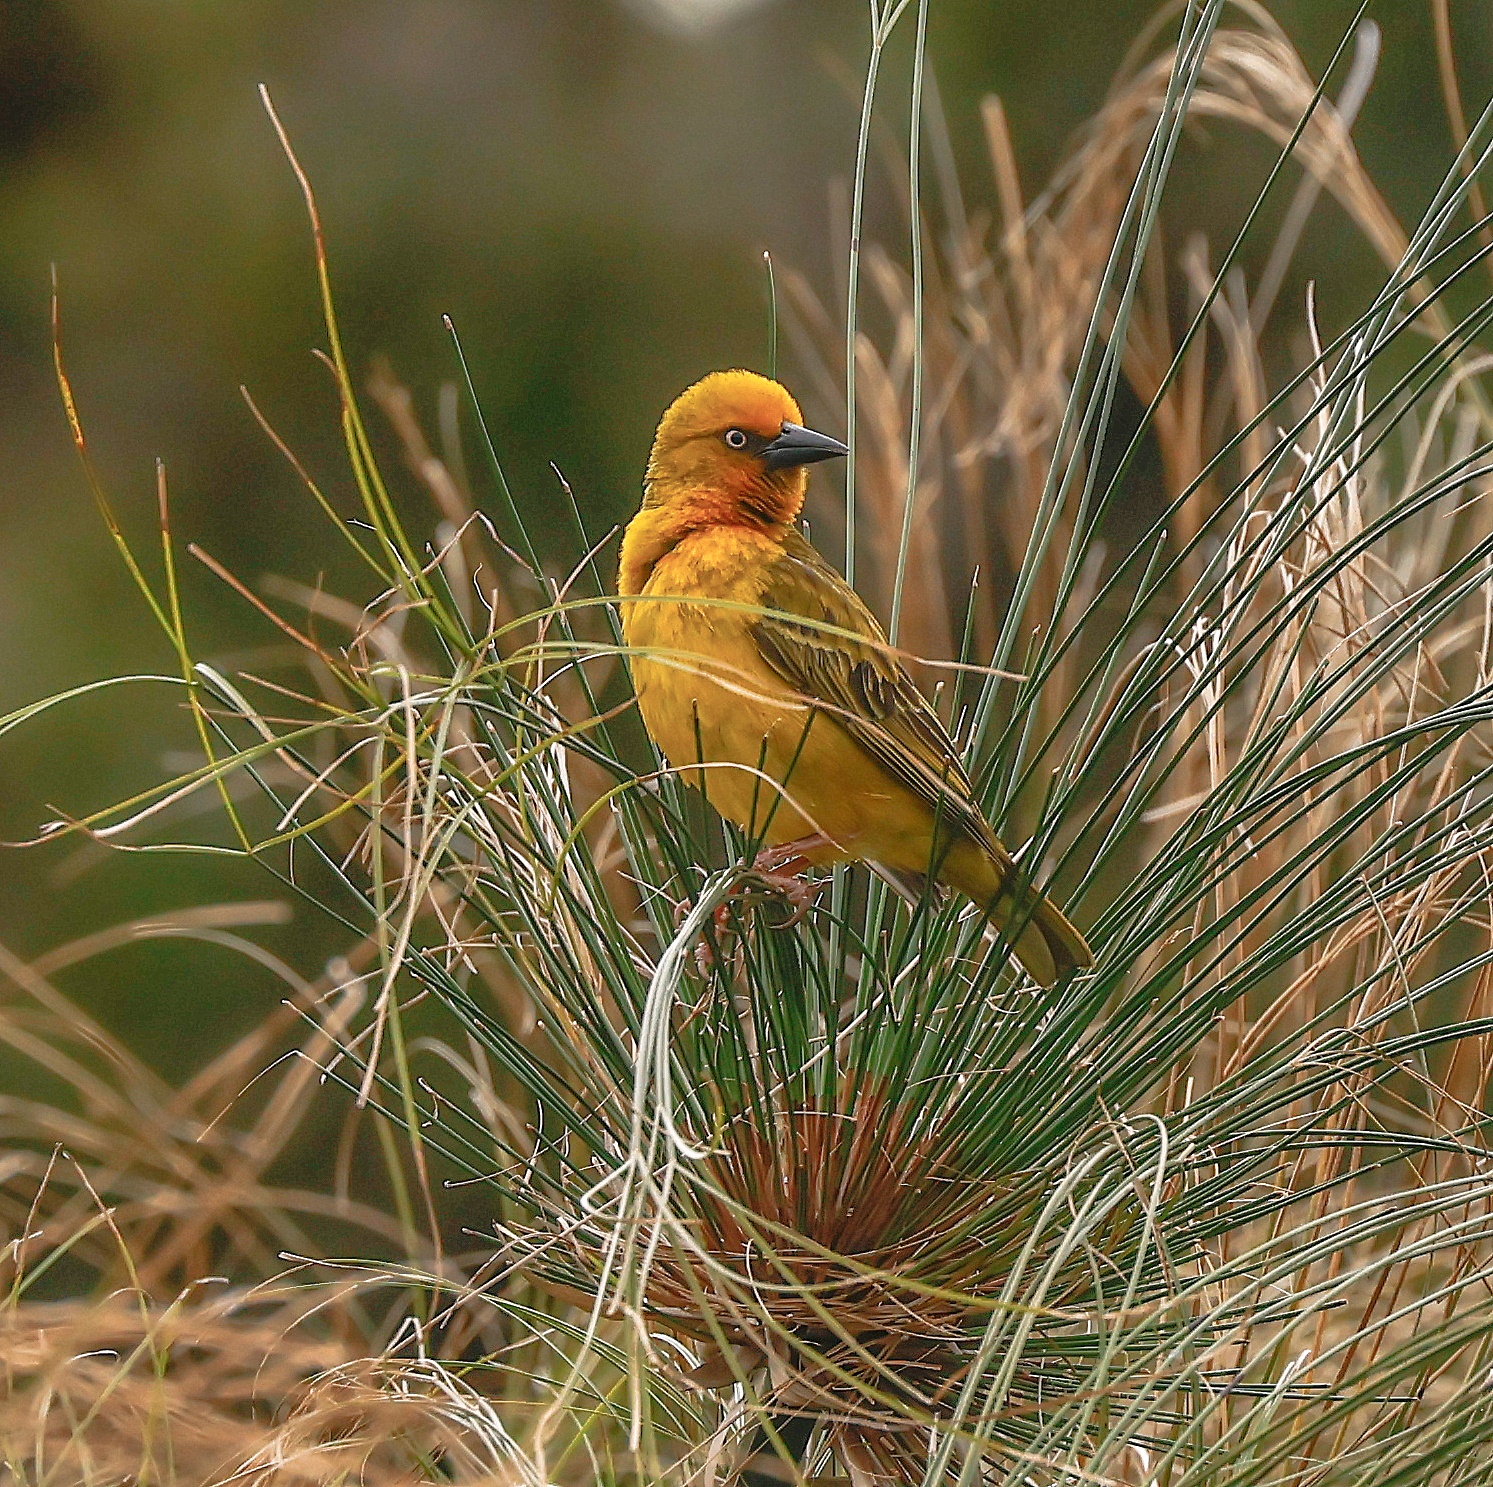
(1009, 296)
(187, 1351)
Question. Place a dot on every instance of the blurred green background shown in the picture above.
(585, 185)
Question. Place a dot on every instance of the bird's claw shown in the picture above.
(769, 872)
(798, 891)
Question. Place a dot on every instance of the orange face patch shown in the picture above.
(700, 469)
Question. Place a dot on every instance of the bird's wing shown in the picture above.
(861, 684)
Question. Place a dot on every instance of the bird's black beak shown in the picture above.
(796, 445)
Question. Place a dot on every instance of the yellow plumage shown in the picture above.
(763, 679)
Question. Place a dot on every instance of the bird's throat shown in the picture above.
(659, 529)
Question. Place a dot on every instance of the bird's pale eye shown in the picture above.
(735, 439)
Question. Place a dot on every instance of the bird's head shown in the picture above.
(733, 447)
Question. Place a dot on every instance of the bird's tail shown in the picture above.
(1046, 943)
(1042, 936)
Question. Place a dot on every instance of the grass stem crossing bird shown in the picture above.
(762, 676)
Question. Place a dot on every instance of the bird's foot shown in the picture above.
(796, 890)
(781, 870)
(705, 954)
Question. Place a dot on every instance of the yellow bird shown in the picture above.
(761, 674)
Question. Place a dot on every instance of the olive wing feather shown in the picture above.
(841, 660)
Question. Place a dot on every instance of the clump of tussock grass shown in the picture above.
(853, 1194)
(229, 1385)
(150, 1329)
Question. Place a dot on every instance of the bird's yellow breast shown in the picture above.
(765, 758)
(706, 696)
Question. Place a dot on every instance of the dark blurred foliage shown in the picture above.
(586, 191)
